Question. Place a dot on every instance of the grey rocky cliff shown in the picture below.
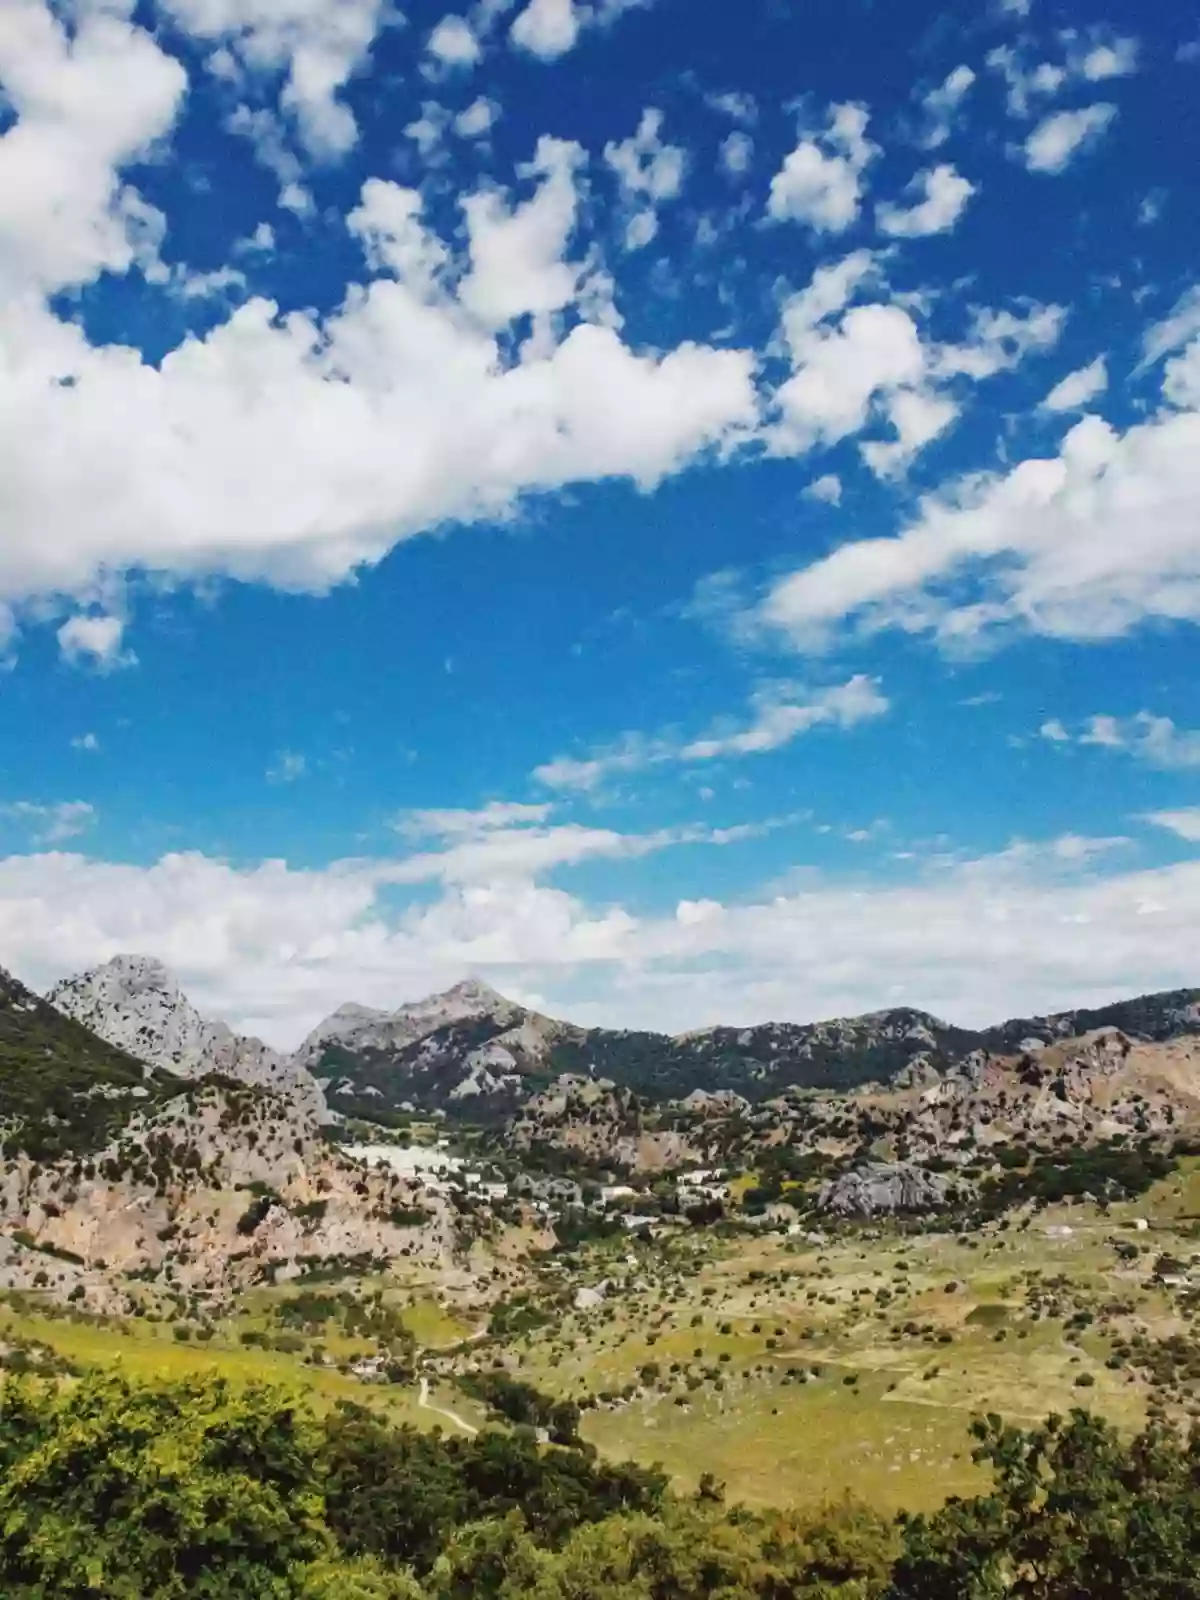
(885, 1189)
(133, 1002)
(357, 1027)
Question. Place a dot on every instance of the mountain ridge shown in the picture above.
(135, 1004)
(472, 1051)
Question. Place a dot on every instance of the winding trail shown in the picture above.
(451, 1416)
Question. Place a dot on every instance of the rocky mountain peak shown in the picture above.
(134, 1003)
(473, 992)
(355, 1027)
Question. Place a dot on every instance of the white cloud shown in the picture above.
(273, 949)
(1054, 731)
(1175, 330)
(649, 173)
(51, 824)
(517, 253)
(1028, 85)
(85, 741)
(427, 132)
(1149, 738)
(289, 765)
(266, 132)
(1087, 544)
(871, 365)
(1074, 392)
(941, 105)
(736, 105)
(1000, 340)
(1181, 377)
(94, 639)
(260, 242)
(296, 448)
(1113, 60)
(548, 28)
(1185, 823)
(641, 230)
(781, 712)
(318, 46)
(784, 711)
(943, 193)
(453, 43)
(479, 118)
(86, 105)
(827, 489)
(820, 182)
(1059, 138)
(458, 823)
(737, 153)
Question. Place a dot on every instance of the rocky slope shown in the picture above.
(885, 1189)
(217, 1189)
(468, 1052)
(133, 1003)
(472, 1054)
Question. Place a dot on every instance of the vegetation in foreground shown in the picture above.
(160, 1491)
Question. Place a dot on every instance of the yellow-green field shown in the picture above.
(897, 1432)
(793, 1370)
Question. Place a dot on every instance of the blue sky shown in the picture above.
(689, 511)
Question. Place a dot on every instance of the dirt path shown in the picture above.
(424, 1402)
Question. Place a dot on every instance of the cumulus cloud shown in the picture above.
(1078, 388)
(940, 197)
(820, 182)
(315, 45)
(1085, 56)
(1113, 60)
(942, 105)
(1086, 544)
(86, 104)
(94, 640)
(478, 119)
(1059, 138)
(296, 448)
(855, 366)
(649, 172)
(737, 153)
(780, 713)
(273, 949)
(827, 489)
(548, 28)
(453, 43)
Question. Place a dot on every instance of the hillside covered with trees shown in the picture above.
(166, 1491)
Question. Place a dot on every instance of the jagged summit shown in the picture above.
(363, 1027)
(135, 1003)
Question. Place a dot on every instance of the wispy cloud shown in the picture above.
(53, 823)
(288, 767)
(780, 713)
(1154, 740)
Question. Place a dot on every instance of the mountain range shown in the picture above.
(473, 1055)
(143, 1145)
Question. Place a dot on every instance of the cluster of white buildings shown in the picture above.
(436, 1169)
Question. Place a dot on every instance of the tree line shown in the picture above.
(197, 1490)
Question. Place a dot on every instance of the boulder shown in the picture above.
(885, 1189)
